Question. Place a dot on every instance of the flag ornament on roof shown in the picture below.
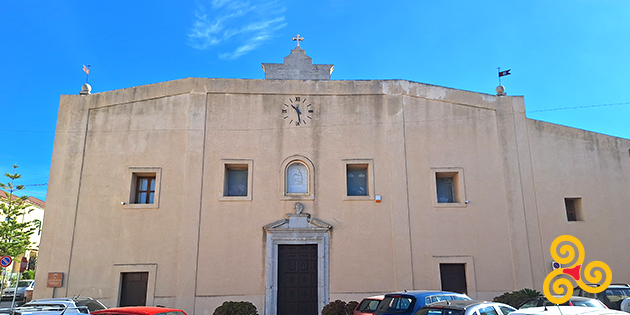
(501, 88)
(86, 69)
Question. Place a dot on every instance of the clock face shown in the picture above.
(297, 111)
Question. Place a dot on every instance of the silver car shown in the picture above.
(75, 305)
(7, 293)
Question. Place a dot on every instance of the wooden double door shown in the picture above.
(297, 280)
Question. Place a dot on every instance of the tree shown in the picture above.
(15, 233)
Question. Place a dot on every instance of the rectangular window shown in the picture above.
(449, 187)
(236, 184)
(573, 207)
(357, 179)
(145, 189)
(445, 191)
(237, 180)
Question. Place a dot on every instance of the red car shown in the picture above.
(368, 305)
(140, 310)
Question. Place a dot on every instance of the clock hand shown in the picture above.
(297, 110)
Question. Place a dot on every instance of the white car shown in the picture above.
(567, 310)
(467, 308)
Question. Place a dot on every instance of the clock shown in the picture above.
(297, 111)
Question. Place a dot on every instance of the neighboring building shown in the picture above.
(296, 190)
(35, 212)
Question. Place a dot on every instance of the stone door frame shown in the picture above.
(308, 231)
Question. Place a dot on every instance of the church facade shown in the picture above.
(297, 190)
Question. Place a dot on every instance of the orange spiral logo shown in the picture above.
(572, 253)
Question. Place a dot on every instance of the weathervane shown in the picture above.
(86, 69)
(297, 38)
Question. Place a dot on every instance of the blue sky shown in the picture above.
(562, 54)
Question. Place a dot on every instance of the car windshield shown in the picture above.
(171, 313)
(615, 295)
(396, 304)
(23, 284)
(368, 306)
(438, 311)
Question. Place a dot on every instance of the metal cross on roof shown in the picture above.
(297, 38)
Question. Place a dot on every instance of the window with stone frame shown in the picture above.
(145, 187)
(237, 180)
(359, 179)
(449, 187)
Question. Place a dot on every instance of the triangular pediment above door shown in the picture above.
(297, 222)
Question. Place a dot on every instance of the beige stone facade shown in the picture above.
(510, 177)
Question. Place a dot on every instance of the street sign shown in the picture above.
(55, 279)
(555, 265)
(23, 264)
(6, 261)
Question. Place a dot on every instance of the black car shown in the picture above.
(612, 296)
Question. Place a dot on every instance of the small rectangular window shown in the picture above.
(445, 191)
(145, 189)
(236, 180)
(449, 187)
(573, 208)
(357, 179)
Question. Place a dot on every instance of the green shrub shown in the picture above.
(516, 298)
(28, 274)
(236, 308)
(339, 307)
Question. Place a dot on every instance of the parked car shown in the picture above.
(53, 306)
(613, 296)
(368, 305)
(408, 302)
(567, 310)
(466, 308)
(573, 301)
(140, 310)
(28, 295)
(22, 285)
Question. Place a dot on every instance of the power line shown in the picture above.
(577, 107)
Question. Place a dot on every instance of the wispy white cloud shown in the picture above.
(235, 23)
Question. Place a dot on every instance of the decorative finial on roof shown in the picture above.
(85, 89)
(298, 39)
